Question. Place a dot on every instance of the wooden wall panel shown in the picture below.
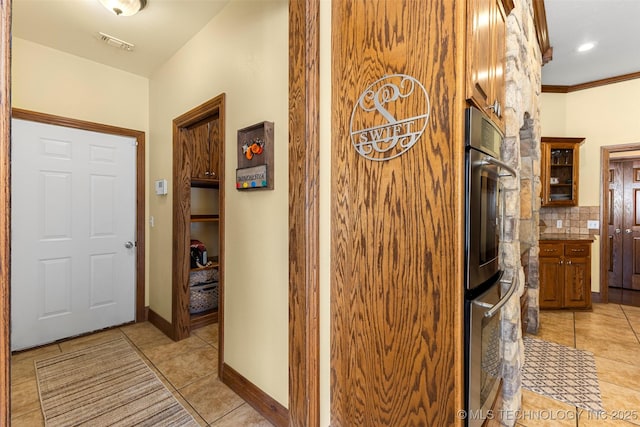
(304, 172)
(5, 207)
(396, 291)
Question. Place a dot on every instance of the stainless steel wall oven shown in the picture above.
(484, 221)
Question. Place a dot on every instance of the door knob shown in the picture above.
(628, 231)
(128, 245)
(618, 231)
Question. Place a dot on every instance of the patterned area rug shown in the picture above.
(561, 373)
(105, 385)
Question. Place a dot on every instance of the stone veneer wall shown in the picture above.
(522, 115)
(530, 212)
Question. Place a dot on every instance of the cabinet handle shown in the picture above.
(496, 108)
(628, 231)
(207, 173)
(577, 250)
(561, 261)
(568, 261)
(618, 231)
(549, 250)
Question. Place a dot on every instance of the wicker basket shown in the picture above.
(203, 297)
(200, 276)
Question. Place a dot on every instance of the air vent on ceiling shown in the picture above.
(115, 42)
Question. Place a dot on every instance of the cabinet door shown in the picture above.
(577, 285)
(479, 51)
(200, 150)
(499, 61)
(214, 148)
(560, 168)
(486, 56)
(551, 278)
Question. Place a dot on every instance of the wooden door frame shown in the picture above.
(304, 186)
(605, 153)
(5, 209)
(180, 317)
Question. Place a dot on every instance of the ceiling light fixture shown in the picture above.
(586, 46)
(124, 7)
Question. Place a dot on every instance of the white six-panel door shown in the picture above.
(73, 213)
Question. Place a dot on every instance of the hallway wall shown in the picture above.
(243, 52)
(604, 115)
(54, 82)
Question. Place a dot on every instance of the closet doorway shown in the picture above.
(621, 222)
(198, 215)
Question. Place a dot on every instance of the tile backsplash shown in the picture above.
(574, 219)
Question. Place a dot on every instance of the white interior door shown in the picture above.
(73, 214)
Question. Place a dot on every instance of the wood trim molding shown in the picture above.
(555, 89)
(578, 140)
(51, 119)
(304, 172)
(159, 322)
(542, 31)
(590, 85)
(604, 220)
(596, 297)
(5, 208)
(508, 6)
(268, 407)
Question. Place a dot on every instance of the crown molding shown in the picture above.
(542, 32)
(589, 85)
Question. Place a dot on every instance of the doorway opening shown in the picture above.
(620, 228)
(51, 119)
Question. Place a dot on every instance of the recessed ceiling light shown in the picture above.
(586, 46)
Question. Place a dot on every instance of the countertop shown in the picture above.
(566, 236)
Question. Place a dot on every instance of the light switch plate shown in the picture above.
(593, 225)
(559, 223)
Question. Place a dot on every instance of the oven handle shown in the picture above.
(493, 308)
(496, 162)
(512, 172)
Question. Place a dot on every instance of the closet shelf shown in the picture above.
(205, 218)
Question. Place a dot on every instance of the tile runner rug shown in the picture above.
(107, 384)
(561, 373)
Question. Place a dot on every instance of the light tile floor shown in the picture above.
(188, 368)
(612, 333)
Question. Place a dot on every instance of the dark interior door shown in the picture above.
(624, 224)
(614, 231)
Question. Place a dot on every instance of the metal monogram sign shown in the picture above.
(389, 117)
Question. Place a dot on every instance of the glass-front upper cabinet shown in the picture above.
(559, 171)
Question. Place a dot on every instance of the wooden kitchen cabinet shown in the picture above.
(565, 274)
(559, 171)
(203, 139)
(486, 56)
